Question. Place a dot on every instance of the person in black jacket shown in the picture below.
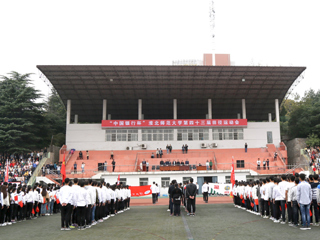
(191, 192)
(176, 199)
(170, 190)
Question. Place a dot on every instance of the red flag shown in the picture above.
(44, 200)
(310, 213)
(63, 168)
(256, 201)
(243, 201)
(232, 178)
(16, 198)
(118, 181)
(6, 178)
(21, 204)
(32, 211)
(37, 209)
(252, 204)
(55, 197)
(241, 196)
(47, 207)
(58, 201)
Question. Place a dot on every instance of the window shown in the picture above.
(227, 134)
(228, 179)
(165, 182)
(121, 135)
(240, 163)
(185, 179)
(193, 134)
(123, 181)
(269, 137)
(157, 134)
(143, 181)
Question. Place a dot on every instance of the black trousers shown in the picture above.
(177, 208)
(277, 210)
(29, 209)
(290, 212)
(191, 205)
(295, 212)
(112, 206)
(283, 210)
(88, 214)
(128, 202)
(266, 207)
(81, 215)
(65, 215)
(74, 216)
(8, 214)
(205, 196)
(14, 208)
(314, 205)
(2, 213)
(154, 198)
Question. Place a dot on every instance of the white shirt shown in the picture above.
(154, 188)
(276, 193)
(75, 189)
(290, 186)
(66, 195)
(81, 197)
(205, 187)
(283, 187)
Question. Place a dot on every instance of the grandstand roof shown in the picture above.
(157, 86)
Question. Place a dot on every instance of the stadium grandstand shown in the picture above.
(128, 113)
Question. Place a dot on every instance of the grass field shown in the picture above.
(213, 221)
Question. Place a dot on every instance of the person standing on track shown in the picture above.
(205, 190)
(191, 192)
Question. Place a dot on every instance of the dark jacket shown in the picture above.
(170, 190)
(176, 195)
(191, 190)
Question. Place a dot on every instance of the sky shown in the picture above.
(154, 32)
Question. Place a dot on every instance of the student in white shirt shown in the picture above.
(291, 184)
(30, 202)
(294, 203)
(129, 196)
(276, 200)
(205, 190)
(66, 195)
(283, 187)
(154, 192)
(81, 204)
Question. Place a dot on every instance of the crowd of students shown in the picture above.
(289, 199)
(86, 203)
(21, 202)
(82, 203)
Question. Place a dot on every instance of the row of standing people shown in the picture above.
(282, 200)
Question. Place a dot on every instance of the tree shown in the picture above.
(22, 124)
(313, 140)
(55, 115)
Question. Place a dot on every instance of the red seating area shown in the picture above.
(129, 160)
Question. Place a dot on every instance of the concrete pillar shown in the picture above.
(244, 115)
(239, 115)
(139, 109)
(104, 109)
(175, 113)
(270, 117)
(68, 111)
(76, 118)
(277, 110)
(142, 116)
(209, 108)
(109, 116)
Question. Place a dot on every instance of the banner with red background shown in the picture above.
(138, 191)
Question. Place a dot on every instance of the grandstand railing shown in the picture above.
(38, 169)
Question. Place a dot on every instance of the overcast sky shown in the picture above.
(108, 32)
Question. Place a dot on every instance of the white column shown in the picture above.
(209, 108)
(175, 109)
(142, 116)
(109, 116)
(139, 109)
(104, 109)
(76, 118)
(239, 115)
(244, 115)
(68, 111)
(277, 110)
(270, 117)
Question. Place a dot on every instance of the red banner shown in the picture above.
(175, 123)
(137, 191)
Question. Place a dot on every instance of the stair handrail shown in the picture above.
(35, 173)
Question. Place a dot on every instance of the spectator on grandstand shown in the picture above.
(167, 148)
(160, 153)
(161, 163)
(174, 163)
(80, 155)
(147, 166)
(170, 148)
(264, 164)
(113, 165)
(105, 166)
(186, 148)
(245, 147)
(258, 164)
(182, 163)
(157, 153)
(207, 164)
(210, 164)
(183, 148)
(82, 167)
(75, 167)
(152, 155)
(111, 155)
(187, 162)
(178, 162)
(87, 154)
(275, 156)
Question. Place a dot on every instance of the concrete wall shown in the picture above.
(293, 148)
(92, 137)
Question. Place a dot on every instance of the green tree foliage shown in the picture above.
(305, 116)
(313, 140)
(55, 114)
(22, 124)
